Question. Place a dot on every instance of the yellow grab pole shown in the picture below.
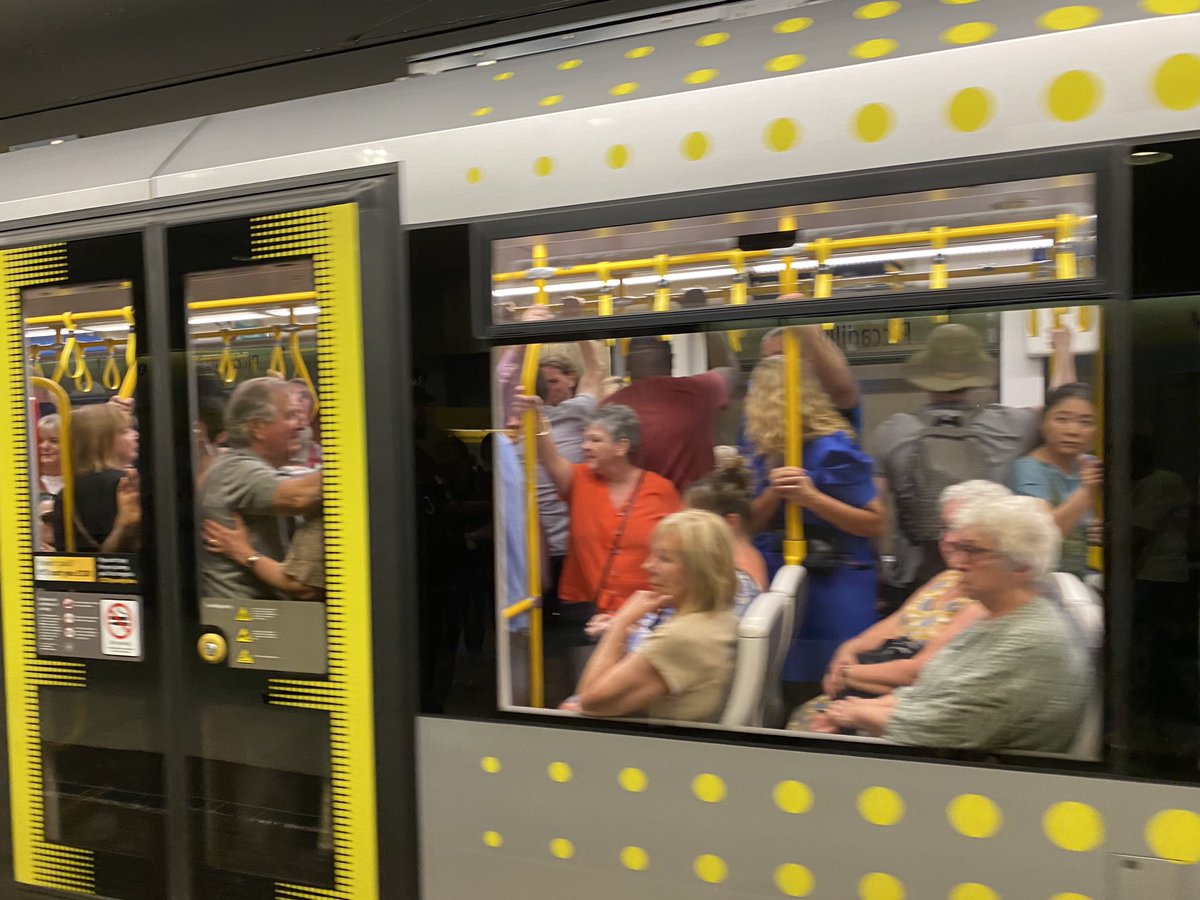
(300, 370)
(823, 283)
(62, 404)
(226, 368)
(1064, 255)
(129, 384)
(541, 259)
(604, 303)
(938, 273)
(794, 547)
(895, 330)
(533, 542)
(662, 294)
(789, 282)
(1085, 318)
(737, 293)
(1034, 323)
(1095, 556)
(278, 362)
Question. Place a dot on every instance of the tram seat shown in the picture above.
(764, 636)
(1086, 613)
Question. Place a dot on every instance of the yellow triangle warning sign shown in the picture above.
(243, 615)
(244, 636)
(245, 658)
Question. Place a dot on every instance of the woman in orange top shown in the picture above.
(614, 505)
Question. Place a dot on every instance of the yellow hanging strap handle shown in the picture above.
(1065, 264)
(110, 377)
(533, 539)
(129, 383)
(738, 295)
(68, 350)
(1095, 555)
(62, 406)
(80, 373)
(300, 370)
(604, 302)
(278, 362)
(225, 368)
(794, 546)
(35, 360)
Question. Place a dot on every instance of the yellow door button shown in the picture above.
(212, 648)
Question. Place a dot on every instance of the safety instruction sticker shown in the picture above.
(64, 568)
(121, 634)
(80, 625)
(272, 635)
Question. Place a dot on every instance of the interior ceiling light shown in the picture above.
(232, 316)
(298, 310)
(1149, 157)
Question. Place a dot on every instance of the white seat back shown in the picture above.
(1086, 612)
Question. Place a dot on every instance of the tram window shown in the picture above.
(966, 237)
(660, 496)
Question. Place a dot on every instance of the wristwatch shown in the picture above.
(251, 560)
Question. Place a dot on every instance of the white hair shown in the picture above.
(1022, 527)
(978, 490)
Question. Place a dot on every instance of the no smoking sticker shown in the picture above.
(121, 627)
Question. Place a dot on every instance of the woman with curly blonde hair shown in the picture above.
(835, 488)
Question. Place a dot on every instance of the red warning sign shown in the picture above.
(119, 621)
(121, 634)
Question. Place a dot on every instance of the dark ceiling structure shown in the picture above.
(85, 67)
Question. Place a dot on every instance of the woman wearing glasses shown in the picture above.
(1017, 679)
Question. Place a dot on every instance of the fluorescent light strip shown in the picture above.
(298, 310)
(224, 317)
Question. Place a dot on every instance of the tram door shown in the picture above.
(186, 563)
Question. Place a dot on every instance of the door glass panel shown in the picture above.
(82, 669)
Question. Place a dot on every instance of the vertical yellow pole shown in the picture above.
(895, 330)
(939, 276)
(1056, 321)
(1096, 554)
(823, 283)
(1064, 256)
(662, 295)
(737, 293)
(604, 302)
(540, 261)
(794, 549)
(789, 283)
(533, 541)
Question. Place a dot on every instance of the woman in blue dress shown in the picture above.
(841, 515)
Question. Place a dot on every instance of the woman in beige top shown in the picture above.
(683, 669)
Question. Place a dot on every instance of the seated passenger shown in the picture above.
(841, 514)
(892, 652)
(1061, 471)
(613, 507)
(108, 515)
(683, 669)
(49, 462)
(1017, 679)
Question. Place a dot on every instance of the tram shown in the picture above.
(231, 337)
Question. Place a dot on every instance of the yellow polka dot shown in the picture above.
(1170, 7)
(709, 788)
(560, 772)
(873, 49)
(625, 87)
(493, 839)
(568, 64)
(1074, 95)
(543, 166)
(785, 63)
(617, 157)
(880, 886)
(710, 868)
(974, 816)
(1074, 826)
(474, 176)
(1175, 834)
(552, 100)
(489, 764)
(716, 39)
(1177, 82)
(968, 33)
(970, 109)
(973, 891)
(1067, 18)
(633, 780)
(873, 123)
(503, 76)
(791, 26)
(880, 10)
(639, 52)
(794, 880)
(562, 848)
(482, 111)
(695, 146)
(792, 796)
(635, 858)
(700, 76)
(880, 806)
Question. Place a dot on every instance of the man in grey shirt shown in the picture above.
(264, 423)
(1017, 679)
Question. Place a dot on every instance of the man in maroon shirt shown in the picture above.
(677, 414)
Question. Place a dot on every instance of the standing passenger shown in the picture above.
(108, 514)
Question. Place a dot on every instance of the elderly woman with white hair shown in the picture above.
(1017, 679)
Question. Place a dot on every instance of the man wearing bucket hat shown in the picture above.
(951, 439)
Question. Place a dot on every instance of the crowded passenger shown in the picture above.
(841, 514)
(614, 506)
(683, 668)
(309, 454)
(678, 414)
(1062, 471)
(246, 481)
(300, 575)
(892, 652)
(1016, 679)
(951, 440)
(827, 363)
(107, 516)
(49, 461)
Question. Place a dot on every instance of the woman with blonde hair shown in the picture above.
(104, 444)
(682, 670)
(841, 514)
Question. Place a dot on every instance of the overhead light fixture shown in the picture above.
(39, 333)
(298, 310)
(1149, 157)
(233, 316)
(111, 326)
(47, 142)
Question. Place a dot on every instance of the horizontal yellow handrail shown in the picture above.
(126, 312)
(511, 612)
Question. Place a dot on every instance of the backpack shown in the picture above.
(946, 451)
